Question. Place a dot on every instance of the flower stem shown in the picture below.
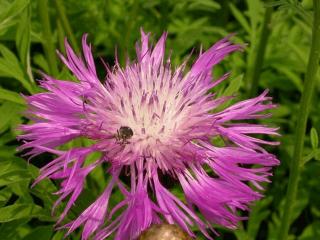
(309, 85)
(47, 40)
(253, 73)
(66, 25)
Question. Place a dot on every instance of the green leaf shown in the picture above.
(205, 5)
(240, 17)
(314, 138)
(280, 111)
(6, 152)
(23, 40)
(11, 96)
(58, 236)
(44, 190)
(292, 76)
(314, 154)
(21, 189)
(299, 205)
(5, 194)
(45, 232)
(14, 170)
(41, 62)
(254, 7)
(18, 211)
(303, 25)
(258, 213)
(234, 86)
(9, 12)
(241, 233)
(8, 230)
(11, 67)
(9, 112)
(23, 37)
(15, 176)
(303, 56)
(311, 232)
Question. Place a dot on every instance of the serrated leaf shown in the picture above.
(314, 138)
(11, 96)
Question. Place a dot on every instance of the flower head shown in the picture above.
(152, 121)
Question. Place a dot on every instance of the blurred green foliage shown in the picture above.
(25, 212)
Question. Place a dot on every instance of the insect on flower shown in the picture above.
(124, 133)
(154, 122)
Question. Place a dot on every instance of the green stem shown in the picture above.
(47, 42)
(254, 71)
(66, 25)
(309, 85)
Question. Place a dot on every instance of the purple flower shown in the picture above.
(153, 122)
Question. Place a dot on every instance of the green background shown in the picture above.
(30, 31)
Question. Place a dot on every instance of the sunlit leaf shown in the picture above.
(17, 211)
(11, 96)
(9, 111)
(9, 11)
(23, 40)
(5, 194)
(11, 67)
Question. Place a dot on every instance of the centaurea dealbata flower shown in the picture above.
(150, 121)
